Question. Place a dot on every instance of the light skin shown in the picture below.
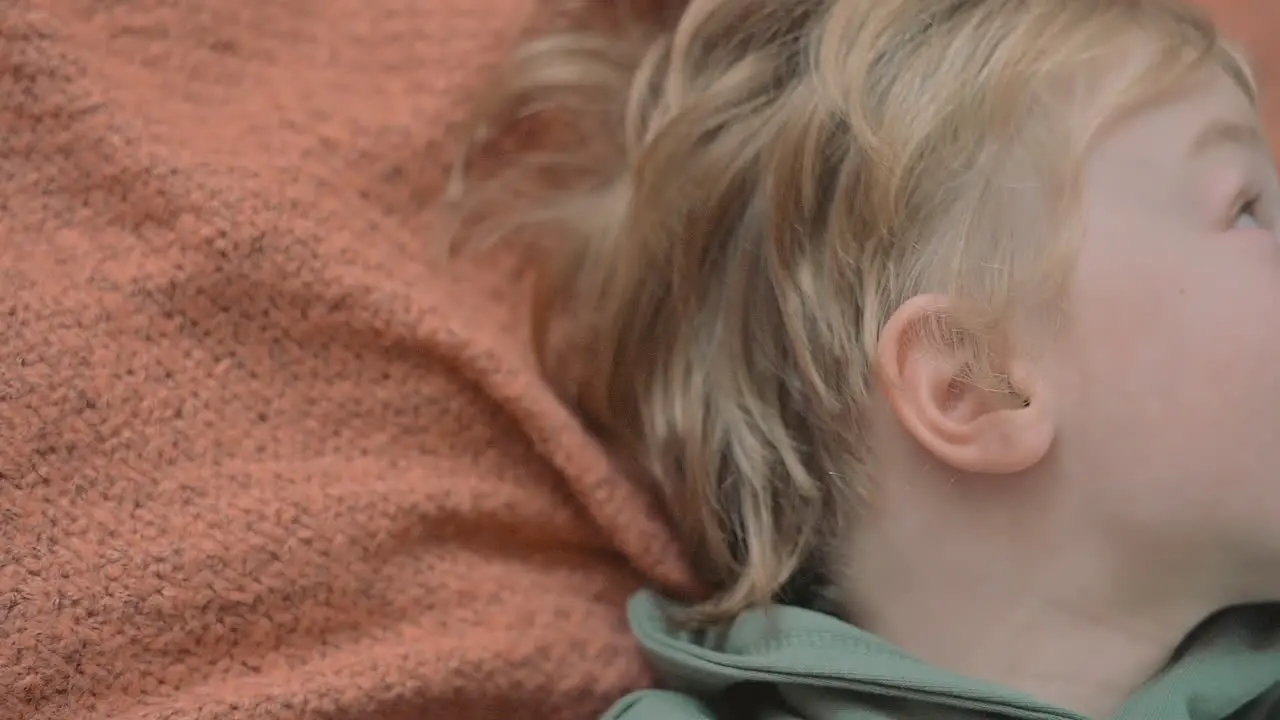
(1064, 539)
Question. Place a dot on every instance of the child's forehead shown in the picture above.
(1115, 67)
(1176, 91)
(1202, 115)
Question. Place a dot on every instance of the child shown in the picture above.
(950, 332)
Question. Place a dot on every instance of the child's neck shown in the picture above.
(1076, 629)
(1087, 665)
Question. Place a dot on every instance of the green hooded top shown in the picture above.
(788, 663)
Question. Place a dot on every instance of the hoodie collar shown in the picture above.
(1232, 660)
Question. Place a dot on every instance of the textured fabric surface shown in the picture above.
(262, 455)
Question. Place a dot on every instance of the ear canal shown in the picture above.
(1023, 399)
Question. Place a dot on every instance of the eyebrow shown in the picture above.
(1229, 132)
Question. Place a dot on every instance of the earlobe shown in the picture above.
(966, 423)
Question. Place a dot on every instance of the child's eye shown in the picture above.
(1246, 216)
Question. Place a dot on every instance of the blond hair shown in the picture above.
(767, 181)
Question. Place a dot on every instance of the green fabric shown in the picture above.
(788, 663)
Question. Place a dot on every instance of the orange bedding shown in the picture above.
(261, 453)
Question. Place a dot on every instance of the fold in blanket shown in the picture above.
(261, 453)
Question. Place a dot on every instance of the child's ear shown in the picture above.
(968, 420)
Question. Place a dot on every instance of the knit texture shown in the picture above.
(262, 453)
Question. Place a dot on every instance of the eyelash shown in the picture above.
(1249, 202)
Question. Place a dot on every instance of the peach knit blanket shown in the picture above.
(263, 455)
